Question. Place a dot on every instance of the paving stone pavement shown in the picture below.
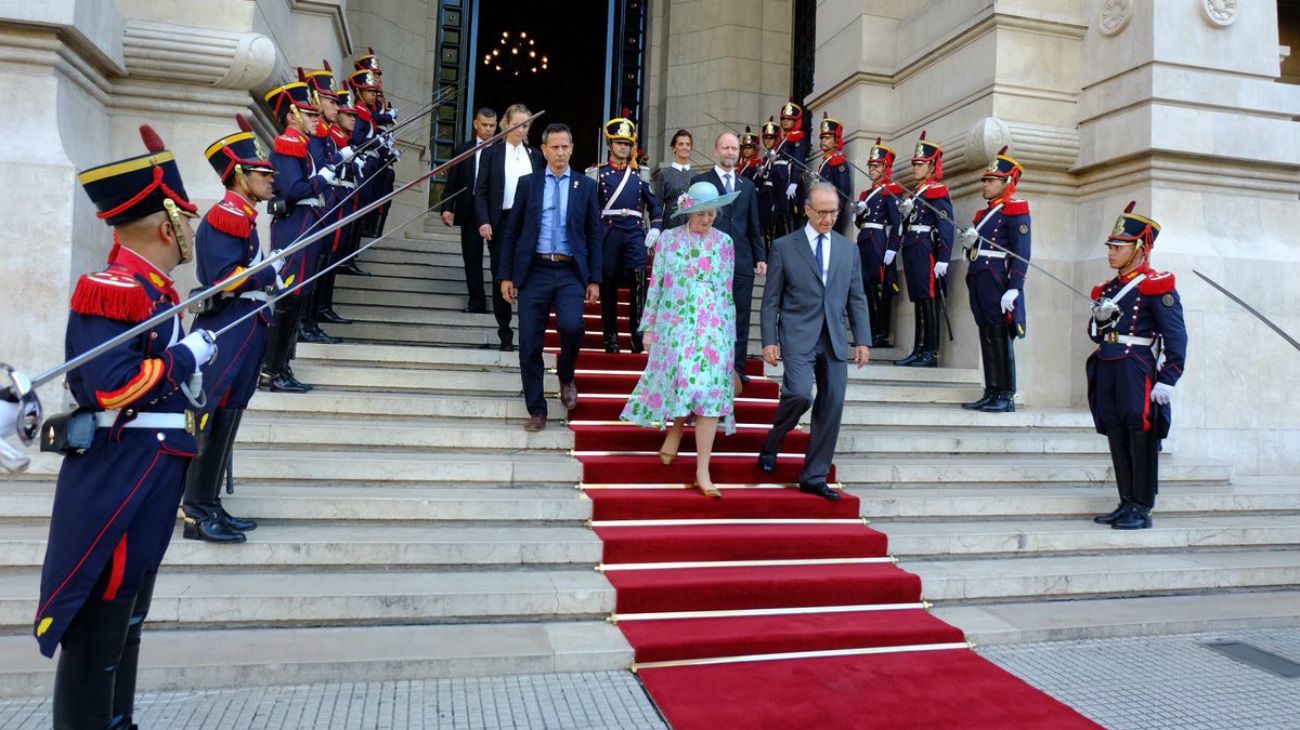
(1164, 683)
(1155, 683)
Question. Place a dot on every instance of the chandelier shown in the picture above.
(515, 55)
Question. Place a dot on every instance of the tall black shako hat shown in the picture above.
(133, 188)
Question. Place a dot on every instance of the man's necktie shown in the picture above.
(821, 267)
(726, 179)
(555, 215)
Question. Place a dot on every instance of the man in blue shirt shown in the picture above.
(551, 258)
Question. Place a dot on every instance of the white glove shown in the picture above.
(1162, 393)
(389, 141)
(651, 237)
(346, 153)
(392, 112)
(327, 174)
(1104, 310)
(905, 207)
(859, 206)
(941, 269)
(1009, 300)
(967, 236)
(360, 162)
(890, 256)
(279, 283)
(8, 418)
(201, 344)
(789, 191)
(278, 265)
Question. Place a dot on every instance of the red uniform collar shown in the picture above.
(1145, 268)
(235, 201)
(145, 270)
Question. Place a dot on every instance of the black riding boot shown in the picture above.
(636, 300)
(929, 355)
(276, 375)
(881, 316)
(124, 686)
(325, 300)
(89, 657)
(1121, 457)
(609, 315)
(1143, 449)
(241, 524)
(986, 356)
(202, 517)
(1004, 382)
(918, 335)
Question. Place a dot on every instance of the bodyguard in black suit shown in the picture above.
(551, 256)
(740, 221)
(457, 208)
(499, 170)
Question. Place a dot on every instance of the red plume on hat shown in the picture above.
(243, 123)
(152, 141)
(324, 62)
(1131, 205)
(302, 75)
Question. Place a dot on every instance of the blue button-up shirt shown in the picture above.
(554, 236)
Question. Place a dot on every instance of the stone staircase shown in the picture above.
(409, 527)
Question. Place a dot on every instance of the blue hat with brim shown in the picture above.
(700, 197)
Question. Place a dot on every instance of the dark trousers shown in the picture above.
(831, 374)
(548, 285)
(471, 251)
(500, 307)
(742, 288)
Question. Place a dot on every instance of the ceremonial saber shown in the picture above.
(1281, 332)
(216, 289)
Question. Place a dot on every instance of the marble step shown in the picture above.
(288, 547)
(939, 540)
(344, 299)
(324, 503)
(377, 283)
(526, 468)
(500, 383)
(404, 257)
(487, 411)
(1101, 618)
(366, 313)
(269, 598)
(994, 469)
(900, 440)
(1126, 574)
(408, 356)
(484, 337)
(1242, 497)
(946, 416)
(279, 432)
(186, 660)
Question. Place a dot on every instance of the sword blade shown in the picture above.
(1281, 332)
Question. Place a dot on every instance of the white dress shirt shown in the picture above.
(722, 175)
(812, 235)
(681, 166)
(478, 152)
(517, 165)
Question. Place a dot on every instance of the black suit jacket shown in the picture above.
(491, 183)
(740, 221)
(461, 177)
(524, 225)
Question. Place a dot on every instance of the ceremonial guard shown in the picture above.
(1137, 323)
(791, 163)
(772, 213)
(626, 202)
(926, 248)
(996, 280)
(334, 148)
(749, 162)
(373, 147)
(834, 166)
(381, 116)
(127, 444)
(880, 229)
(225, 247)
(300, 188)
(324, 155)
(347, 239)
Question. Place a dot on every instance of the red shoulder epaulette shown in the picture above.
(795, 135)
(230, 221)
(895, 189)
(113, 295)
(838, 159)
(364, 114)
(936, 191)
(1157, 283)
(1097, 290)
(863, 195)
(1015, 207)
(291, 146)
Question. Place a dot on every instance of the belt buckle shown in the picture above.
(1112, 337)
(973, 253)
(189, 422)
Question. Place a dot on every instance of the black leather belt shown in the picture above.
(555, 258)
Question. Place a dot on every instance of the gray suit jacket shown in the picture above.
(796, 304)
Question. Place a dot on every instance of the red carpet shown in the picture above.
(669, 550)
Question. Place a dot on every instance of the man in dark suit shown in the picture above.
(500, 169)
(458, 208)
(551, 256)
(740, 221)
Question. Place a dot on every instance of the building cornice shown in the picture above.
(334, 10)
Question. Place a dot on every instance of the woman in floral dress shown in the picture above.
(690, 331)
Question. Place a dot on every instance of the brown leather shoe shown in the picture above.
(569, 395)
(535, 423)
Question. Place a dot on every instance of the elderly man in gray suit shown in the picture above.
(814, 276)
